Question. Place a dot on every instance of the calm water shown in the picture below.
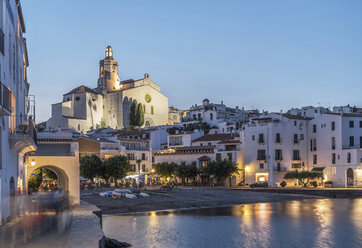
(307, 223)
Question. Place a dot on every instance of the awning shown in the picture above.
(318, 169)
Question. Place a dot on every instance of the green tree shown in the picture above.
(303, 176)
(165, 169)
(90, 166)
(220, 169)
(35, 179)
(140, 116)
(116, 167)
(132, 114)
(186, 172)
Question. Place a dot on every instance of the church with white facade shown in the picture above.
(108, 105)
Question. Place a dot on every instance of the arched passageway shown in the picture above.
(65, 167)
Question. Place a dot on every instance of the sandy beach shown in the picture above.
(185, 198)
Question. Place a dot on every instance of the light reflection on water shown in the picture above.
(307, 223)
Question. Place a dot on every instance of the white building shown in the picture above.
(17, 133)
(207, 148)
(273, 144)
(330, 142)
(109, 104)
(183, 138)
(335, 144)
(213, 114)
(139, 145)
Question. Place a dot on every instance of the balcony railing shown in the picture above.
(22, 125)
(261, 157)
(5, 98)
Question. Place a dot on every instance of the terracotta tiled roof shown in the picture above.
(213, 137)
(187, 150)
(49, 140)
(81, 89)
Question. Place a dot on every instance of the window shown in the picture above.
(313, 145)
(218, 157)
(77, 98)
(360, 141)
(261, 138)
(351, 124)
(201, 144)
(296, 155)
(277, 138)
(211, 116)
(295, 139)
(333, 158)
(230, 156)
(333, 143)
(153, 159)
(261, 166)
(296, 165)
(261, 155)
(143, 156)
(333, 126)
(253, 137)
(278, 167)
(349, 157)
(278, 154)
(130, 156)
(133, 167)
(199, 116)
(295, 123)
(301, 136)
(314, 128)
(351, 141)
(314, 158)
(143, 167)
(360, 123)
(152, 110)
(209, 144)
(194, 163)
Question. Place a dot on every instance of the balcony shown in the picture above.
(279, 158)
(261, 157)
(22, 134)
(296, 158)
(6, 97)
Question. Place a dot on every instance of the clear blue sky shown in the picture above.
(267, 54)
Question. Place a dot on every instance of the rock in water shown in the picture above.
(112, 243)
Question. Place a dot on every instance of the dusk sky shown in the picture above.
(270, 55)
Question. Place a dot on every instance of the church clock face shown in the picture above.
(148, 98)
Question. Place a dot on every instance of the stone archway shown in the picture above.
(62, 176)
(349, 177)
(66, 168)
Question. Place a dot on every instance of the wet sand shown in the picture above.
(184, 198)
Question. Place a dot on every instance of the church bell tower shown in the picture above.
(108, 73)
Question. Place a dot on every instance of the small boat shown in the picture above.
(131, 196)
(117, 195)
(145, 195)
(126, 191)
(106, 193)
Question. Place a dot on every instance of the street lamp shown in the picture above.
(32, 162)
